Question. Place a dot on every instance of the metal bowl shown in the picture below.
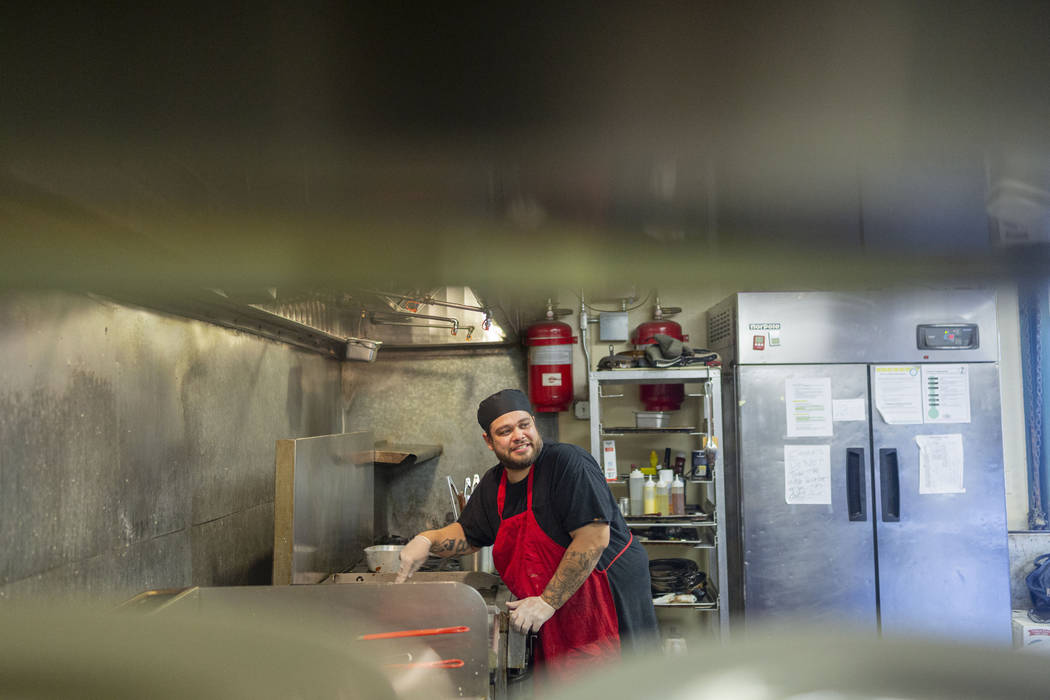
(384, 558)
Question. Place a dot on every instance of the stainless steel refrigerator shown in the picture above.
(864, 461)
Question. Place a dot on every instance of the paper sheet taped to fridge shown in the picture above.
(940, 463)
(808, 404)
(807, 474)
(898, 394)
(849, 409)
(946, 393)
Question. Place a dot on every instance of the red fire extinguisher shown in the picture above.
(659, 397)
(550, 364)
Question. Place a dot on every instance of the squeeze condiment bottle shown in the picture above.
(636, 482)
(663, 493)
(649, 496)
(677, 496)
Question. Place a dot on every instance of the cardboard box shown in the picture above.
(1029, 635)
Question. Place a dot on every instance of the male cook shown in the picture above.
(560, 543)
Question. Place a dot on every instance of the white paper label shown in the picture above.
(808, 405)
(946, 393)
(898, 394)
(807, 474)
(940, 463)
(849, 409)
(550, 355)
(550, 379)
(609, 459)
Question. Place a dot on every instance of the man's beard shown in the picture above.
(516, 462)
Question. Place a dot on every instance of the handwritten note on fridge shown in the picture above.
(807, 474)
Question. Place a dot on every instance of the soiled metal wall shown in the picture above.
(137, 449)
(426, 397)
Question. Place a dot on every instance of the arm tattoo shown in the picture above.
(575, 567)
(450, 547)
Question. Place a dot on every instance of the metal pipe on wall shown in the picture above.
(405, 314)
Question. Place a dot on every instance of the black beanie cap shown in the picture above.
(499, 403)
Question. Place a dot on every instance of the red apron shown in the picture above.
(584, 630)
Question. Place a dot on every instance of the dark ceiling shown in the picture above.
(253, 144)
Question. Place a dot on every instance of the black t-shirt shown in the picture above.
(568, 492)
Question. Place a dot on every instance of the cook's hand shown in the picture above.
(413, 556)
(529, 614)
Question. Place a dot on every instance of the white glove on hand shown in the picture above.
(413, 556)
(529, 614)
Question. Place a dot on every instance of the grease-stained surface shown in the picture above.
(137, 449)
(426, 397)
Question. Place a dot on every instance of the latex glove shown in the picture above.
(529, 614)
(413, 556)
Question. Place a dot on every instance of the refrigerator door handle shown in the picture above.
(855, 499)
(889, 475)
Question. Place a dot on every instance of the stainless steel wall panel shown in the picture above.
(324, 512)
(58, 424)
(427, 397)
(152, 443)
(112, 576)
(235, 550)
(237, 399)
(120, 425)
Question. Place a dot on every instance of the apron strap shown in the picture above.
(629, 541)
(501, 493)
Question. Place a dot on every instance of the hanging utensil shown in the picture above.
(474, 484)
(467, 491)
(456, 507)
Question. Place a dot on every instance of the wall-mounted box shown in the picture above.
(612, 326)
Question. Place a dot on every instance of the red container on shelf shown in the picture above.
(659, 397)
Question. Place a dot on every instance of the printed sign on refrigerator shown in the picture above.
(946, 393)
(808, 404)
(898, 394)
(807, 474)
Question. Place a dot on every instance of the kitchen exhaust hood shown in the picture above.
(358, 324)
